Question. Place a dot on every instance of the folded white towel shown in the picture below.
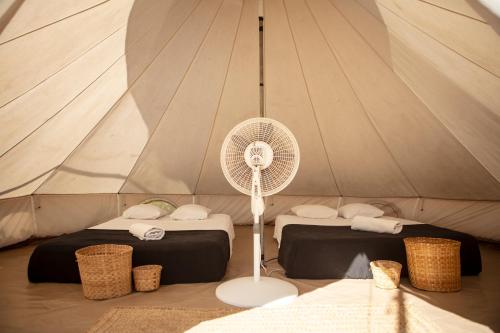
(146, 232)
(375, 224)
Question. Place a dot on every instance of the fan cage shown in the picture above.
(285, 150)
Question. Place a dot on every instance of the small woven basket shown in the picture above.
(147, 277)
(105, 270)
(433, 263)
(386, 273)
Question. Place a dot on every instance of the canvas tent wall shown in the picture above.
(104, 103)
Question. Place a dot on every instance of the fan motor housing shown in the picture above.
(260, 154)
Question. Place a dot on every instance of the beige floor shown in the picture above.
(26, 307)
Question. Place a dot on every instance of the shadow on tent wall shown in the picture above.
(490, 17)
(158, 59)
(9, 14)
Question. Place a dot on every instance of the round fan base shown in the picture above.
(246, 293)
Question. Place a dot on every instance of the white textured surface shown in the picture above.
(246, 293)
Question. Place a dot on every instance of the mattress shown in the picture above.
(213, 222)
(336, 252)
(284, 220)
(197, 251)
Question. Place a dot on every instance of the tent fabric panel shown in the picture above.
(346, 130)
(239, 101)
(380, 34)
(469, 77)
(103, 161)
(16, 220)
(63, 214)
(474, 40)
(164, 20)
(287, 100)
(478, 218)
(30, 59)
(477, 129)
(49, 97)
(44, 101)
(437, 165)
(463, 96)
(58, 214)
(365, 18)
(7, 6)
(29, 15)
(464, 7)
(31, 162)
(171, 161)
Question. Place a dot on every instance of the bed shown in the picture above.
(329, 249)
(190, 252)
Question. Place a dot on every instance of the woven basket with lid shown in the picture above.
(433, 263)
(147, 277)
(105, 270)
(386, 273)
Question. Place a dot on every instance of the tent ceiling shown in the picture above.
(387, 98)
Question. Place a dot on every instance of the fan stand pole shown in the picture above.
(257, 211)
(256, 249)
(256, 291)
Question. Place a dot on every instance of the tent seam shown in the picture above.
(433, 38)
(110, 110)
(53, 172)
(236, 194)
(163, 116)
(70, 63)
(330, 162)
(442, 122)
(472, 204)
(55, 22)
(33, 215)
(63, 67)
(452, 11)
(65, 105)
(220, 99)
(429, 109)
(367, 114)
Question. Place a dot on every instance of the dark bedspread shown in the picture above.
(186, 256)
(328, 252)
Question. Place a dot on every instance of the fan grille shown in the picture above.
(285, 161)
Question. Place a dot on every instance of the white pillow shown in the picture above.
(190, 212)
(314, 211)
(144, 212)
(359, 209)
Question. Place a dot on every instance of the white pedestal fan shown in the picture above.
(259, 157)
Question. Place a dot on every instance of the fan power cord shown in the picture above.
(274, 271)
(268, 260)
(270, 272)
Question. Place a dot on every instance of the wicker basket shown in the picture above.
(433, 263)
(105, 270)
(386, 273)
(147, 277)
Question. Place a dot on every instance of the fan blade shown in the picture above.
(266, 131)
(284, 155)
(240, 141)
